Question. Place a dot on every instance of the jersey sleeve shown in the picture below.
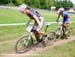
(31, 14)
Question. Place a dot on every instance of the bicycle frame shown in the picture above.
(29, 28)
(62, 28)
(61, 31)
(25, 42)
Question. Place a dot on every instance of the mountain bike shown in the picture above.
(25, 42)
(62, 33)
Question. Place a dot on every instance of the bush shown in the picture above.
(65, 3)
(10, 4)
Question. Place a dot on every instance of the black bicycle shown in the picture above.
(62, 33)
(25, 42)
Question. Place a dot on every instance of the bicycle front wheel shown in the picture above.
(23, 44)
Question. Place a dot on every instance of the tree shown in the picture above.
(18, 2)
(63, 3)
(44, 4)
(3, 1)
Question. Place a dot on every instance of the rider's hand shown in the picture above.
(27, 24)
(57, 20)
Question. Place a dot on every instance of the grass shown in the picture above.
(12, 16)
(66, 50)
(9, 34)
(7, 46)
(12, 32)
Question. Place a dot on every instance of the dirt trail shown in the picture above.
(39, 49)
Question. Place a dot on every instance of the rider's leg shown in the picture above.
(38, 28)
(38, 33)
(64, 28)
(41, 33)
(45, 38)
(65, 22)
(65, 25)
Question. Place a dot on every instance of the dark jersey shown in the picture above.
(33, 12)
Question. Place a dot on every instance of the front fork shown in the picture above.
(28, 41)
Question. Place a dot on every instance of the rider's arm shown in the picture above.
(36, 19)
(58, 17)
(28, 22)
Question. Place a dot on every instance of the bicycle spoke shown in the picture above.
(22, 45)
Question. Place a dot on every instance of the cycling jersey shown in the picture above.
(38, 28)
(65, 17)
(33, 12)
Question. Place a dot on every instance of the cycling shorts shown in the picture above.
(38, 28)
(66, 20)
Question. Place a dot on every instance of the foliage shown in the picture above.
(65, 3)
(19, 2)
(3, 1)
(44, 4)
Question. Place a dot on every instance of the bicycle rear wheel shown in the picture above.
(51, 39)
(68, 32)
(23, 44)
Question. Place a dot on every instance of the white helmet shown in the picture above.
(61, 10)
(22, 7)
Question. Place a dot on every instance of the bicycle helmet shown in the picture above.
(61, 10)
(22, 7)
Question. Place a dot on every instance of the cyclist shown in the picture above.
(33, 15)
(65, 15)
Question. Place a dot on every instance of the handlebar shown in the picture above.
(48, 24)
(60, 23)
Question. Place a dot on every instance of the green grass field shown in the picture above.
(66, 50)
(8, 34)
